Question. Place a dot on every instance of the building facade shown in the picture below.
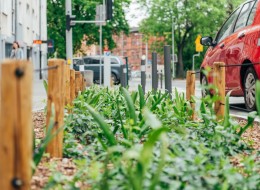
(24, 21)
(135, 46)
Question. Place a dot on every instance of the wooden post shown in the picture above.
(220, 84)
(67, 85)
(190, 89)
(16, 125)
(56, 90)
(82, 83)
(72, 85)
(77, 82)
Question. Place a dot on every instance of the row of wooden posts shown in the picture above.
(219, 83)
(16, 129)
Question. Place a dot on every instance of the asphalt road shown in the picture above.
(40, 97)
(180, 85)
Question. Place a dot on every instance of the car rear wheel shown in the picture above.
(114, 78)
(249, 89)
(204, 83)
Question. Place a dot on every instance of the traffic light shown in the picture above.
(109, 7)
(70, 18)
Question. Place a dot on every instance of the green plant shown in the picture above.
(147, 141)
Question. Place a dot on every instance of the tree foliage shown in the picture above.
(191, 18)
(84, 10)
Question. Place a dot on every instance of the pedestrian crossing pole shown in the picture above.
(69, 53)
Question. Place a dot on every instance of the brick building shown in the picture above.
(134, 46)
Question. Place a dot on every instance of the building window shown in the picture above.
(20, 12)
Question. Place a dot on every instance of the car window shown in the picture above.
(252, 15)
(243, 16)
(227, 27)
(114, 61)
(86, 61)
(94, 61)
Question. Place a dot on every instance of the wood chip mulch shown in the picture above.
(68, 168)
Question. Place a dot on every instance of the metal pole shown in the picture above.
(127, 78)
(167, 69)
(154, 72)
(161, 79)
(100, 50)
(143, 75)
(193, 60)
(173, 74)
(40, 34)
(122, 81)
(69, 51)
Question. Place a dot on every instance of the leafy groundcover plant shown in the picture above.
(148, 141)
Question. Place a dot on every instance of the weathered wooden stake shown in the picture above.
(67, 84)
(78, 82)
(72, 85)
(190, 90)
(56, 90)
(83, 81)
(219, 83)
(16, 125)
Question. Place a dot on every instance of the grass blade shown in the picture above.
(226, 116)
(130, 105)
(250, 121)
(141, 97)
(103, 125)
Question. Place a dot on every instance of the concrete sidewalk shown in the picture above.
(39, 95)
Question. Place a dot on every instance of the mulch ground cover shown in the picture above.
(68, 168)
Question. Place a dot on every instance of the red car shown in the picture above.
(237, 43)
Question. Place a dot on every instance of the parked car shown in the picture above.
(93, 63)
(236, 43)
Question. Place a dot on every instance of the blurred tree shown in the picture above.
(191, 18)
(84, 10)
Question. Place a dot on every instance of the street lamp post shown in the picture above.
(173, 25)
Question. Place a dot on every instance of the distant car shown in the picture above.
(237, 42)
(93, 63)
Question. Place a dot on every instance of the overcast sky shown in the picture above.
(135, 14)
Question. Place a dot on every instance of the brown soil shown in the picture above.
(68, 168)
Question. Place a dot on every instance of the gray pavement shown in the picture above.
(39, 95)
(180, 85)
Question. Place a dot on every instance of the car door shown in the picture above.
(235, 47)
(217, 53)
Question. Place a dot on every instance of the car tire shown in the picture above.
(249, 83)
(204, 82)
(114, 78)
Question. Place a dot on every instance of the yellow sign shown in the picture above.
(199, 47)
(69, 61)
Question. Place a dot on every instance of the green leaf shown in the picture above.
(250, 121)
(38, 153)
(103, 125)
(130, 106)
(45, 84)
(141, 97)
(227, 116)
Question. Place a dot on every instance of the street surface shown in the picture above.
(40, 97)
(180, 85)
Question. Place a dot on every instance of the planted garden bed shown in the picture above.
(114, 139)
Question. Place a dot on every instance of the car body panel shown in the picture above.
(238, 47)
